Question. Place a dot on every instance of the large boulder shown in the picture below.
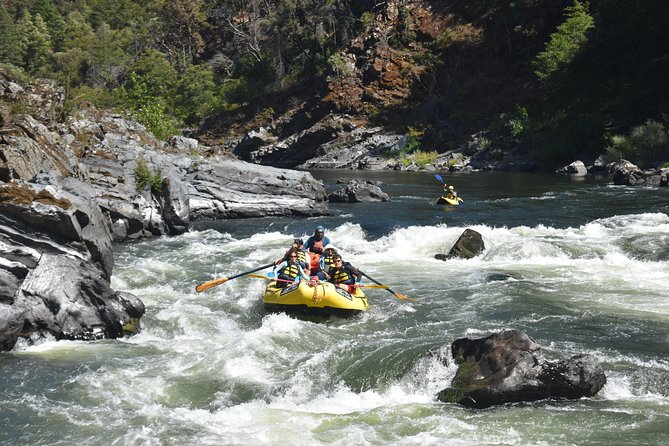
(508, 367)
(55, 265)
(469, 245)
(358, 192)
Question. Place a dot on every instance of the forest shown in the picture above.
(555, 79)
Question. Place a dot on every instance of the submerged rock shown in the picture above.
(508, 367)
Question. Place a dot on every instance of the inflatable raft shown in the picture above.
(323, 298)
(447, 200)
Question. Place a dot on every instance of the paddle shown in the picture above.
(438, 177)
(397, 295)
(212, 283)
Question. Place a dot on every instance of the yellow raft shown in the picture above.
(322, 299)
(448, 200)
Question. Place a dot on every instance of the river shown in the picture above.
(577, 263)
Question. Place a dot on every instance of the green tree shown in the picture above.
(147, 109)
(38, 46)
(108, 58)
(565, 43)
(196, 96)
(54, 21)
(6, 34)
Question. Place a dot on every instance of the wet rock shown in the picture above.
(469, 245)
(576, 168)
(55, 265)
(508, 367)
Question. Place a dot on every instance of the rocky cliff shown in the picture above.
(73, 183)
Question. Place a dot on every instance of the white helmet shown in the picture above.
(450, 187)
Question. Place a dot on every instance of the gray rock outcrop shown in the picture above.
(508, 367)
(55, 265)
(358, 192)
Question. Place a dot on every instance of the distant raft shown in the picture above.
(322, 299)
(447, 200)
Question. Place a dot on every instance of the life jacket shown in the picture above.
(327, 263)
(318, 244)
(290, 272)
(313, 263)
(342, 276)
(302, 258)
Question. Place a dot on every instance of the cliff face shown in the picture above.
(71, 185)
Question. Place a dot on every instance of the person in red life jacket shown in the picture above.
(326, 262)
(344, 275)
(289, 270)
(314, 247)
(316, 242)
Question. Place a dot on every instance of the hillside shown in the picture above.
(547, 81)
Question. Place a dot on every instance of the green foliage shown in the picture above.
(367, 19)
(196, 94)
(646, 144)
(340, 66)
(515, 123)
(565, 43)
(147, 109)
(424, 158)
(145, 177)
(412, 145)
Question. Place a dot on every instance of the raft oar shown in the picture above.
(438, 177)
(396, 294)
(212, 283)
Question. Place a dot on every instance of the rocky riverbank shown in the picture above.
(71, 184)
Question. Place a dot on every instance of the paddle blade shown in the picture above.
(212, 283)
(402, 296)
(438, 177)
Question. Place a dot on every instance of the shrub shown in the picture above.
(515, 122)
(423, 158)
(147, 177)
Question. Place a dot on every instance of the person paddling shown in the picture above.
(450, 192)
(289, 270)
(297, 244)
(316, 242)
(326, 262)
(344, 275)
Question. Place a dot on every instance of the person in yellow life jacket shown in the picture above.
(301, 255)
(326, 262)
(289, 270)
(450, 192)
(344, 275)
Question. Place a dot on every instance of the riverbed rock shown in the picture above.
(577, 168)
(469, 245)
(356, 191)
(508, 367)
